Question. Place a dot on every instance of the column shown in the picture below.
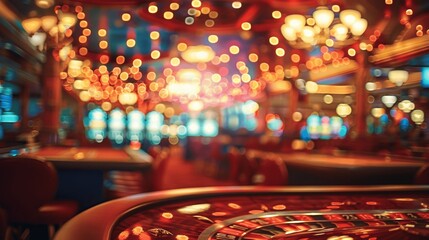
(290, 124)
(361, 96)
(51, 99)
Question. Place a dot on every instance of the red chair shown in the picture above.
(422, 176)
(272, 171)
(154, 150)
(248, 167)
(159, 168)
(3, 224)
(234, 158)
(27, 190)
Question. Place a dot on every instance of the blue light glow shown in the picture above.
(210, 128)
(194, 127)
(425, 77)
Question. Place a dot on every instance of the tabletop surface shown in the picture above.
(91, 154)
(344, 160)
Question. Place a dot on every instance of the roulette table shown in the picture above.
(328, 212)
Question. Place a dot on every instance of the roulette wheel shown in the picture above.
(333, 213)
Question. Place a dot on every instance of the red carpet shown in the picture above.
(183, 174)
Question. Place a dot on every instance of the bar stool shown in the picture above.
(27, 190)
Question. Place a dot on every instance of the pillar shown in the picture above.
(361, 96)
(290, 124)
(51, 99)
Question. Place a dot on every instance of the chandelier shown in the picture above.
(323, 27)
(52, 27)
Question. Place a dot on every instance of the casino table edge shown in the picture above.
(96, 223)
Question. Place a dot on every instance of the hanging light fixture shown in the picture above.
(398, 77)
(418, 116)
(53, 25)
(31, 25)
(128, 98)
(389, 100)
(323, 28)
(44, 3)
(38, 40)
(343, 110)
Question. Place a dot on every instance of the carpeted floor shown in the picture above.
(180, 173)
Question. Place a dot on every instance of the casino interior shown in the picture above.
(214, 119)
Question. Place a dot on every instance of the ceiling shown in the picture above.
(387, 24)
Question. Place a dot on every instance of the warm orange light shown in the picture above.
(253, 57)
(236, 4)
(80, 15)
(224, 58)
(124, 235)
(102, 69)
(120, 59)
(182, 47)
(154, 35)
(153, 9)
(174, 6)
(246, 26)
(131, 43)
(175, 62)
(295, 58)
(274, 40)
(280, 52)
(83, 24)
(168, 15)
(103, 44)
(196, 3)
(155, 54)
(409, 12)
(213, 14)
(276, 14)
(86, 32)
(134, 70)
(234, 49)
(83, 39)
(104, 59)
(126, 17)
(137, 63)
(151, 76)
(102, 32)
(209, 23)
(182, 237)
(264, 67)
(199, 53)
(83, 51)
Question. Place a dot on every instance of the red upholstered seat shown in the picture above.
(154, 151)
(3, 224)
(271, 171)
(27, 191)
(159, 168)
(247, 170)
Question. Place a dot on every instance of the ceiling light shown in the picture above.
(44, 3)
(398, 77)
(197, 54)
(323, 28)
